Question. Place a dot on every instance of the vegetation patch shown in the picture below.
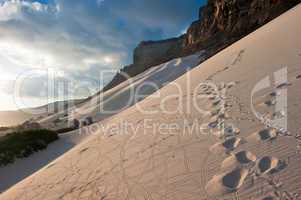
(21, 144)
(65, 130)
(4, 128)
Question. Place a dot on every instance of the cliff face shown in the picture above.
(148, 54)
(224, 20)
(151, 53)
(220, 23)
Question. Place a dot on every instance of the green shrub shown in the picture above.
(4, 128)
(23, 143)
(65, 130)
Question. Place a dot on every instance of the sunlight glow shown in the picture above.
(108, 60)
(20, 55)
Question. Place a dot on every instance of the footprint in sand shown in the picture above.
(238, 57)
(223, 115)
(270, 102)
(213, 97)
(275, 93)
(279, 114)
(268, 99)
(216, 102)
(268, 165)
(215, 112)
(213, 122)
(205, 86)
(268, 134)
(239, 160)
(227, 182)
(221, 86)
(269, 197)
(210, 92)
(231, 84)
(226, 146)
(231, 131)
(83, 150)
(216, 120)
(283, 85)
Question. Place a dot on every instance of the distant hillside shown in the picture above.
(13, 118)
(220, 23)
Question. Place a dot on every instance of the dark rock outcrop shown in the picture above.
(220, 23)
(224, 21)
(146, 55)
(151, 53)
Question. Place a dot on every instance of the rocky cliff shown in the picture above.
(148, 54)
(220, 23)
(224, 21)
(153, 52)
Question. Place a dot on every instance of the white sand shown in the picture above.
(13, 173)
(119, 98)
(115, 98)
(148, 165)
(13, 118)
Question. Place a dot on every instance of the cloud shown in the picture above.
(8, 11)
(14, 9)
(83, 38)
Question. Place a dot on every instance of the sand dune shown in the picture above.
(13, 118)
(146, 163)
(22, 168)
(116, 98)
(119, 98)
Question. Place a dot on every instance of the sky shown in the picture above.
(76, 46)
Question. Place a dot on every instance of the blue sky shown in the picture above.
(79, 39)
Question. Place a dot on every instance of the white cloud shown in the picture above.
(9, 10)
(38, 6)
(19, 55)
(81, 37)
(13, 9)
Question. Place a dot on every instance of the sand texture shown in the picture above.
(243, 155)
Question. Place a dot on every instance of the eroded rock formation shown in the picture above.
(220, 23)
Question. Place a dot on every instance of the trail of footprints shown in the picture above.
(240, 165)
